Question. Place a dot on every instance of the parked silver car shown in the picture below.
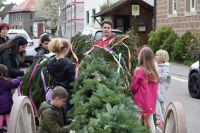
(97, 33)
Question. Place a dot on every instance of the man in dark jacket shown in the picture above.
(3, 33)
(9, 56)
(43, 48)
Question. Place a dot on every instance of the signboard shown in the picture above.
(135, 10)
(142, 28)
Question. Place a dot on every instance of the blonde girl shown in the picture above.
(60, 68)
(162, 65)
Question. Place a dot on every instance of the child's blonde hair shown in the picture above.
(163, 54)
(146, 60)
(58, 44)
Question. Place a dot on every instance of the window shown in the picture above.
(13, 16)
(93, 13)
(190, 6)
(65, 14)
(31, 16)
(20, 16)
(31, 29)
(173, 7)
(87, 17)
(10, 17)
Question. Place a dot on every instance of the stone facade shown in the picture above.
(183, 20)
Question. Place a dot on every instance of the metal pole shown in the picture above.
(75, 16)
(155, 15)
(71, 20)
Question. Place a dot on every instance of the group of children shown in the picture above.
(150, 84)
(62, 74)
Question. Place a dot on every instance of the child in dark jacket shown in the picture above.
(51, 117)
(6, 101)
(43, 48)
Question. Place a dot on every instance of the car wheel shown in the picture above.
(194, 85)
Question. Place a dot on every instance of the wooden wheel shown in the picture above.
(175, 119)
(22, 118)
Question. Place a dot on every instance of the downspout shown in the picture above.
(155, 15)
(71, 20)
(75, 16)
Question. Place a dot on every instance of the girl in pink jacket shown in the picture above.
(144, 85)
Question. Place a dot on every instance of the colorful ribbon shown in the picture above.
(29, 91)
(43, 80)
(76, 64)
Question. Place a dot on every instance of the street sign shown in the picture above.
(135, 10)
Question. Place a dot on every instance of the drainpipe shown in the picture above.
(71, 19)
(75, 16)
(155, 15)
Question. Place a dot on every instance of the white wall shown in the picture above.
(151, 2)
(88, 6)
(35, 28)
(74, 22)
(5, 20)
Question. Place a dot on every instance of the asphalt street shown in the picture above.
(178, 92)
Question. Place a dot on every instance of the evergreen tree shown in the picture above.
(100, 103)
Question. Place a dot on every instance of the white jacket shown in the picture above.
(164, 80)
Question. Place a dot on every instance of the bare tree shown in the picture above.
(1, 3)
(49, 9)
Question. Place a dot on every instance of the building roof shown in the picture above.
(39, 17)
(122, 3)
(5, 9)
(26, 5)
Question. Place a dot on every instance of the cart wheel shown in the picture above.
(22, 118)
(175, 119)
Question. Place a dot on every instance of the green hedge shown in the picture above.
(163, 37)
(184, 49)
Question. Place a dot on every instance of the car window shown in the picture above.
(100, 33)
(13, 35)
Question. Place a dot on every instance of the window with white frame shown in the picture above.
(190, 5)
(87, 17)
(173, 7)
(93, 13)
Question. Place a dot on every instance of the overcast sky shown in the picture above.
(14, 1)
